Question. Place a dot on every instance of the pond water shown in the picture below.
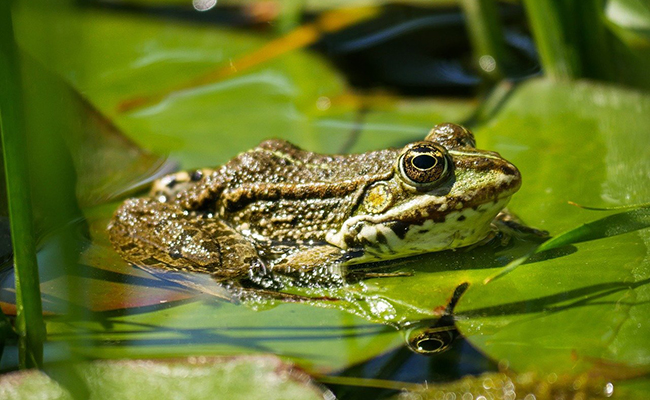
(159, 88)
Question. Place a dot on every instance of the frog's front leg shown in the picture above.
(319, 265)
(510, 224)
(149, 233)
(327, 265)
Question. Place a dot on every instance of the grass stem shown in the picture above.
(29, 317)
(559, 57)
(486, 34)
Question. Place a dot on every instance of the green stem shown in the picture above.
(559, 59)
(593, 40)
(29, 317)
(486, 34)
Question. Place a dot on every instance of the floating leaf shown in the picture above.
(297, 97)
(194, 378)
(504, 386)
(572, 304)
(613, 225)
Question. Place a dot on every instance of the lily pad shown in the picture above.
(193, 378)
(296, 96)
(586, 143)
(507, 385)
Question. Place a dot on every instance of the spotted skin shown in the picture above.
(277, 210)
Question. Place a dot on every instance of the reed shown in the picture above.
(29, 317)
(486, 35)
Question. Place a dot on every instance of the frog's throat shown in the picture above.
(383, 238)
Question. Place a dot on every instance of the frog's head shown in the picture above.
(443, 194)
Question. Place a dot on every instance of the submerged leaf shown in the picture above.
(508, 386)
(194, 378)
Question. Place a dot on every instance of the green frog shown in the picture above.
(278, 212)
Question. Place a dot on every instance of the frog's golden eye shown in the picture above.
(423, 164)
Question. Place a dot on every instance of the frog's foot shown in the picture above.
(148, 233)
(327, 266)
(510, 224)
(501, 240)
(314, 266)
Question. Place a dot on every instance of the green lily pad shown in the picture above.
(193, 378)
(563, 312)
(296, 96)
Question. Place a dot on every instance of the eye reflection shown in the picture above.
(424, 162)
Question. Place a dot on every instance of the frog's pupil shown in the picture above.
(424, 162)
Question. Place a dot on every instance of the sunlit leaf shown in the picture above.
(503, 386)
(571, 305)
(194, 378)
(630, 19)
(613, 225)
(298, 96)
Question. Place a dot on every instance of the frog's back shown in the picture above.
(278, 161)
(281, 192)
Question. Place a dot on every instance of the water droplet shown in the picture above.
(323, 103)
(203, 5)
(487, 63)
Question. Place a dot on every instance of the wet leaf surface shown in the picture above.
(297, 96)
(505, 386)
(585, 143)
(194, 378)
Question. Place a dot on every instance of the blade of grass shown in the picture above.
(486, 34)
(29, 316)
(559, 59)
(592, 39)
(612, 225)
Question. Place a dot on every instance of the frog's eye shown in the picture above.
(423, 164)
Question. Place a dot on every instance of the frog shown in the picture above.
(277, 214)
